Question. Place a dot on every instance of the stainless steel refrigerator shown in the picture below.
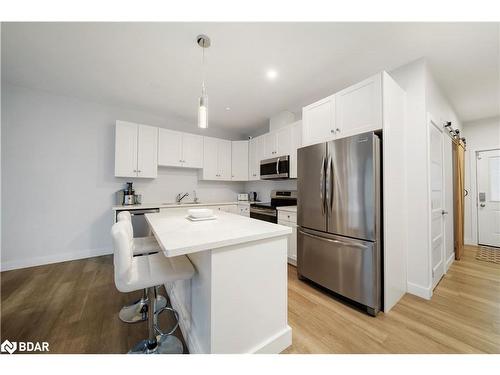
(339, 218)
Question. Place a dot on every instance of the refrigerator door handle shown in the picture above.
(322, 185)
(350, 244)
(278, 166)
(329, 191)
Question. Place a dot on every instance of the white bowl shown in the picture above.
(199, 213)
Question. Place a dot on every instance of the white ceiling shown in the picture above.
(157, 66)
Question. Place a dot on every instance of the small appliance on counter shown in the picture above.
(252, 196)
(243, 197)
(127, 196)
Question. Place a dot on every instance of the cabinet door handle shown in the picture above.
(139, 171)
(337, 130)
(332, 131)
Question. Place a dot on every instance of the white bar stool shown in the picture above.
(147, 272)
(136, 311)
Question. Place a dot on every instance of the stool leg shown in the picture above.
(165, 344)
(152, 343)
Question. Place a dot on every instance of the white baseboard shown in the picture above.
(275, 344)
(449, 261)
(469, 241)
(419, 291)
(292, 261)
(53, 258)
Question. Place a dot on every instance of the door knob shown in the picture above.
(443, 212)
(482, 205)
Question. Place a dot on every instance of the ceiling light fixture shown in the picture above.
(204, 42)
(228, 108)
(272, 74)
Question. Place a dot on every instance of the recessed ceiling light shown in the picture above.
(272, 74)
(228, 108)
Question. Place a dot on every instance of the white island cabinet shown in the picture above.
(237, 300)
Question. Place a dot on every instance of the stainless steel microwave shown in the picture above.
(275, 168)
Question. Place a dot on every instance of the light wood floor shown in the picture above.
(74, 305)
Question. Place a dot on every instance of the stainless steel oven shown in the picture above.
(264, 213)
(275, 168)
(267, 211)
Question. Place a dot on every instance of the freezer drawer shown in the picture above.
(346, 266)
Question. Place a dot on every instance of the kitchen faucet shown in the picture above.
(181, 197)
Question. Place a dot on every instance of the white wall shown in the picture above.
(411, 78)
(480, 135)
(58, 179)
(423, 96)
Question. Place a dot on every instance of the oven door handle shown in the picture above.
(262, 212)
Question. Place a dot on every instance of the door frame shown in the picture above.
(431, 121)
(473, 194)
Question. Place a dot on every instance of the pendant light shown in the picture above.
(204, 42)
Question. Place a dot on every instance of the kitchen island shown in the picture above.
(237, 300)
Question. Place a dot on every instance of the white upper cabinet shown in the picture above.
(125, 149)
(136, 150)
(177, 149)
(224, 159)
(147, 152)
(216, 159)
(239, 165)
(358, 108)
(192, 150)
(284, 141)
(318, 121)
(354, 110)
(277, 143)
(210, 160)
(270, 149)
(169, 148)
(296, 141)
(255, 155)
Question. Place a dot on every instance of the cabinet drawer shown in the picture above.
(287, 216)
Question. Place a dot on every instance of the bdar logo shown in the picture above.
(8, 346)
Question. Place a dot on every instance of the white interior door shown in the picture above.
(437, 210)
(488, 197)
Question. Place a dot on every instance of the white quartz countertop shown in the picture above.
(179, 236)
(287, 208)
(169, 205)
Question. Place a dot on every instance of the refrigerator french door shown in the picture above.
(338, 214)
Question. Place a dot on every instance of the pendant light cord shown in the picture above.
(203, 69)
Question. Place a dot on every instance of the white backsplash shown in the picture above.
(172, 181)
(264, 188)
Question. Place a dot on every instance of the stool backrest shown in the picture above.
(123, 253)
(127, 218)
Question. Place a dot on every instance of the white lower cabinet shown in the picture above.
(244, 209)
(289, 219)
(230, 208)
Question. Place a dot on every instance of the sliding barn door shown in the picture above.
(458, 194)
